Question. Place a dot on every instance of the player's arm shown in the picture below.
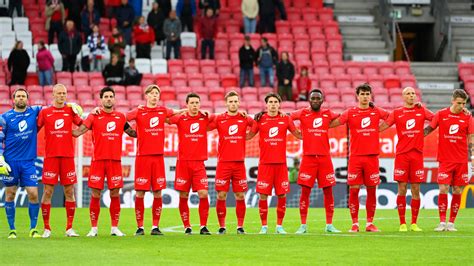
(293, 129)
(432, 126)
(178, 111)
(129, 130)
(388, 122)
(428, 130)
(252, 132)
(81, 130)
(4, 167)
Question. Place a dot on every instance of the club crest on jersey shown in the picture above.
(233, 129)
(194, 127)
(453, 129)
(410, 124)
(59, 124)
(317, 122)
(365, 122)
(111, 126)
(273, 132)
(154, 121)
(22, 126)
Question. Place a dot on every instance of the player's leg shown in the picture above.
(306, 180)
(94, 211)
(415, 206)
(239, 187)
(139, 211)
(158, 183)
(10, 209)
(326, 181)
(402, 205)
(48, 191)
(157, 207)
(203, 210)
(354, 180)
(222, 184)
(67, 175)
(263, 211)
(200, 184)
(240, 210)
(417, 176)
(282, 187)
(281, 211)
(115, 212)
(184, 211)
(445, 172)
(264, 188)
(29, 180)
(142, 184)
(182, 183)
(401, 175)
(371, 180)
(221, 210)
(455, 203)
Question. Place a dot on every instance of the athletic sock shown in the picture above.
(10, 210)
(33, 210)
(328, 204)
(240, 210)
(354, 204)
(156, 212)
(114, 211)
(455, 202)
(45, 212)
(304, 203)
(70, 211)
(371, 204)
(442, 207)
(203, 211)
(263, 210)
(139, 211)
(184, 211)
(221, 212)
(94, 211)
(415, 209)
(402, 206)
(281, 210)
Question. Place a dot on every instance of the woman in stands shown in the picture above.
(96, 44)
(45, 62)
(18, 63)
(113, 72)
(144, 38)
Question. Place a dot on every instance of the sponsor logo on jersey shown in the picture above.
(243, 182)
(453, 129)
(220, 182)
(285, 184)
(233, 129)
(116, 178)
(111, 126)
(399, 172)
(94, 178)
(410, 124)
(8, 178)
(304, 176)
(420, 173)
(330, 177)
(273, 132)
(374, 177)
(59, 124)
(351, 176)
(465, 177)
(262, 185)
(49, 175)
(154, 121)
(194, 127)
(365, 122)
(71, 174)
(442, 176)
(203, 181)
(317, 122)
(180, 181)
(22, 126)
(141, 180)
(160, 181)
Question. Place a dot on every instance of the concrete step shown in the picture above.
(365, 44)
(359, 30)
(434, 69)
(462, 30)
(459, 6)
(353, 5)
(463, 44)
(437, 79)
(362, 37)
(352, 12)
(365, 51)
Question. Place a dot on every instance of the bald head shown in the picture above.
(409, 97)
(59, 95)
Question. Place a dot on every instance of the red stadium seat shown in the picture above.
(191, 66)
(208, 66)
(229, 80)
(392, 81)
(175, 66)
(223, 67)
(179, 80)
(163, 80)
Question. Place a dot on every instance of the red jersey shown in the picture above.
(364, 129)
(107, 130)
(57, 124)
(273, 132)
(410, 125)
(314, 128)
(453, 132)
(192, 133)
(150, 128)
(232, 131)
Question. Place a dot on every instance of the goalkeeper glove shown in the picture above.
(76, 108)
(4, 167)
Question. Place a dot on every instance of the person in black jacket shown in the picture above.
(266, 10)
(18, 63)
(215, 5)
(285, 74)
(267, 57)
(125, 16)
(165, 5)
(113, 72)
(155, 19)
(69, 45)
(246, 59)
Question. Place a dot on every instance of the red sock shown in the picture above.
(221, 212)
(94, 211)
(371, 203)
(184, 211)
(70, 210)
(281, 210)
(203, 211)
(304, 203)
(114, 211)
(455, 202)
(415, 208)
(442, 207)
(45, 211)
(401, 206)
(156, 213)
(328, 204)
(240, 211)
(139, 211)
(263, 210)
(354, 204)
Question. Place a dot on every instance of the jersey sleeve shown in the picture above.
(40, 121)
(174, 119)
(333, 115)
(169, 112)
(76, 119)
(383, 113)
(343, 117)
(132, 115)
(36, 108)
(89, 121)
(291, 125)
(3, 128)
(296, 114)
(428, 114)
(390, 119)
(470, 128)
(434, 121)
(212, 124)
(250, 122)
(255, 128)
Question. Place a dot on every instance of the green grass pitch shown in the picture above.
(316, 247)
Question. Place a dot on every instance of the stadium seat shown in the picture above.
(64, 78)
(188, 39)
(188, 52)
(191, 66)
(80, 78)
(392, 81)
(20, 24)
(147, 79)
(5, 24)
(175, 66)
(402, 68)
(159, 66)
(208, 66)
(228, 80)
(195, 80)
(212, 80)
(163, 80)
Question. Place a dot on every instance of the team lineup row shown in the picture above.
(19, 143)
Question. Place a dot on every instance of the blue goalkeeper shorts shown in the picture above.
(23, 174)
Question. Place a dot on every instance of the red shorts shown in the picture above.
(454, 174)
(409, 167)
(190, 174)
(112, 169)
(62, 167)
(315, 167)
(273, 175)
(150, 173)
(363, 170)
(231, 172)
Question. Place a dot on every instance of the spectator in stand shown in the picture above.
(165, 5)
(186, 11)
(132, 76)
(125, 16)
(112, 6)
(208, 33)
(205, 4)
(266, 10)
(18, 63)
(90, 16)
(281, 8)
(55, 18)
(285, 74)
(303, 85)
(113, 72)
(246, 60)
(267, 57)
(45, 62)
(69, 45)
(15, 5)
(96, 44)
(117, 43)
(144, 38)
(73, 10)
(155, 19)
(172, 30)
(250, 13)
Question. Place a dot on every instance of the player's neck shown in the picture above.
(232, 113)
(58, 105)
(193, 113)
(272, 114)
(453, 110)
(363, 106)
(150, 105)
(108, 110)
(19, 110)
(408, 105)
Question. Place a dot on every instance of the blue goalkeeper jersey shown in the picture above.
(18, 136)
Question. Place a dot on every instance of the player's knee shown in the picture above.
(48, 192)
(96, 194)
(457, 190)
(402, 190)
(33, 197)
(157, 194)
(221, 195)
(239, 196)
(114, 193)
(140, 194)
(263, 197)
(10, 196)
(202, 194)
(443, 189)
(183, 194)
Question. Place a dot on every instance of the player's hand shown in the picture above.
(466, 111)
(76, 108)
(95, 111)
(4, 167)
(418, 104)
(141, 107)
(257, 116)
(205, 112)
(371, 104)
(282, 114)
(243, 113)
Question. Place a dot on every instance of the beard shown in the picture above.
(20, 105)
